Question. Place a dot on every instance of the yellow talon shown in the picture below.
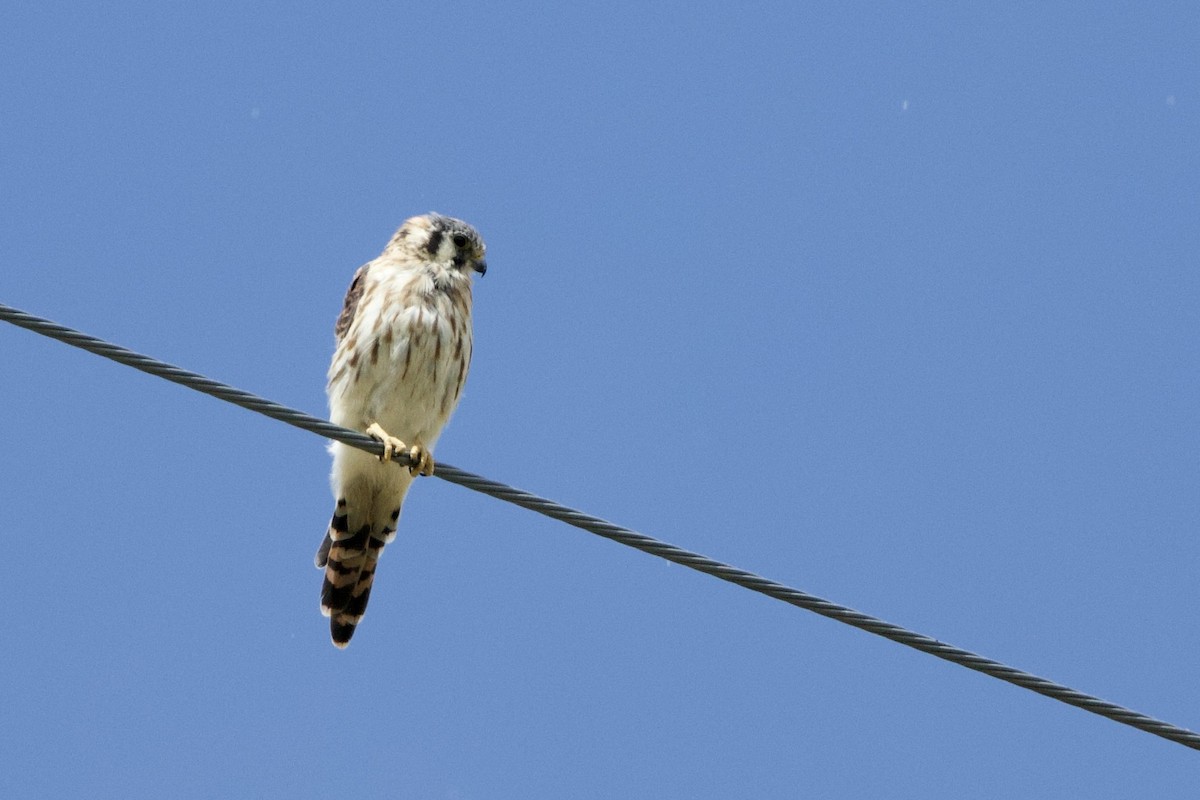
(391, 445)
(420, 461)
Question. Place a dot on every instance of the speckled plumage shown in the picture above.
(403, 351)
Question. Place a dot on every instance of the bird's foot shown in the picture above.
(420, 460)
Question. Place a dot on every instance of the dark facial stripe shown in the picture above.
(435, 241)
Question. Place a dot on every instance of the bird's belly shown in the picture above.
(408, 381)
(409, 406)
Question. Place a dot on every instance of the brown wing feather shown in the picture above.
(350, 305)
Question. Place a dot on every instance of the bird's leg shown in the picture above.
(420, 461)
(391, 445)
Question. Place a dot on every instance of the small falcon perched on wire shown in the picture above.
(403, 349)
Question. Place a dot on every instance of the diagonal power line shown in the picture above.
(625, 536)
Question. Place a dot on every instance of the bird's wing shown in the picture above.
(350, 305)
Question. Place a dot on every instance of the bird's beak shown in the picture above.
(480, 266)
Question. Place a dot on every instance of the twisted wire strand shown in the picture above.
(616, 533)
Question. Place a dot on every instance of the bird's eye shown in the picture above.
(459, 240)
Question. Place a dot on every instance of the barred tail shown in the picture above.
(349, 560)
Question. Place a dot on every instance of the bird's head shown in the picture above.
(433, 237)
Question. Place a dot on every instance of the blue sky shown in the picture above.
(894, 303)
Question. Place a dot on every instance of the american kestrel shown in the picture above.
(403, 349)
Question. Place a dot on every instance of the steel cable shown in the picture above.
(608, 530)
